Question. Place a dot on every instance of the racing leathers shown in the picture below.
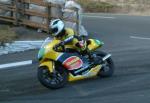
(72, 41)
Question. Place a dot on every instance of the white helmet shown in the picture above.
(56, 26)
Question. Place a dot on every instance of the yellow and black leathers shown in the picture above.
(75, 42)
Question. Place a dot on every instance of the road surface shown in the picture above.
(127, 38)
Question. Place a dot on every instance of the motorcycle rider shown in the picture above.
(59, 31)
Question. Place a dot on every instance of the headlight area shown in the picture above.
(41, 53)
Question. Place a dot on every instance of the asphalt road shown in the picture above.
(127, 38)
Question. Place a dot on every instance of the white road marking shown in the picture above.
(100, 17)
(16, 64)
(38, 41)
(136, 37)
(5, 90)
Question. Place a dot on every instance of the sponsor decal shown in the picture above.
(73, 63)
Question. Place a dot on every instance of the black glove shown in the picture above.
(61, 44)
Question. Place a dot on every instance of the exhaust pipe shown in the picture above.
(106, 57)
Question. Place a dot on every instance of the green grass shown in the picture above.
(7, 35)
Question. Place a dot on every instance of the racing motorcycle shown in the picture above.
(58, 66)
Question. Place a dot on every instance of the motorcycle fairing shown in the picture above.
(84, 68)
(91, 73)
(71, 61)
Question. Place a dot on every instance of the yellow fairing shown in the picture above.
(49, 64)
(49, 52)
(92, 73)
(50, 55)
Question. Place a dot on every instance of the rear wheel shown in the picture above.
(107, 69)
(52, 80)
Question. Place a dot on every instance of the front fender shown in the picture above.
(48, 64)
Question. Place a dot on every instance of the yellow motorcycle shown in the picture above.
(58, 65)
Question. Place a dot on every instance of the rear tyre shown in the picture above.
(107, 69)
(52, 80)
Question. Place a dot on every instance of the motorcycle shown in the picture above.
(57, 66)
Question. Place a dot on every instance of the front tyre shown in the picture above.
(107, 69)
(52, 80)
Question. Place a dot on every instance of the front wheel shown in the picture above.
(52, 80)
(107, 69)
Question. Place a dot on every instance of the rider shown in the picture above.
(73, 41)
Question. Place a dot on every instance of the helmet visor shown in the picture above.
(54, 30)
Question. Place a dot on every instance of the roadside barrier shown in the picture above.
(20, 13)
